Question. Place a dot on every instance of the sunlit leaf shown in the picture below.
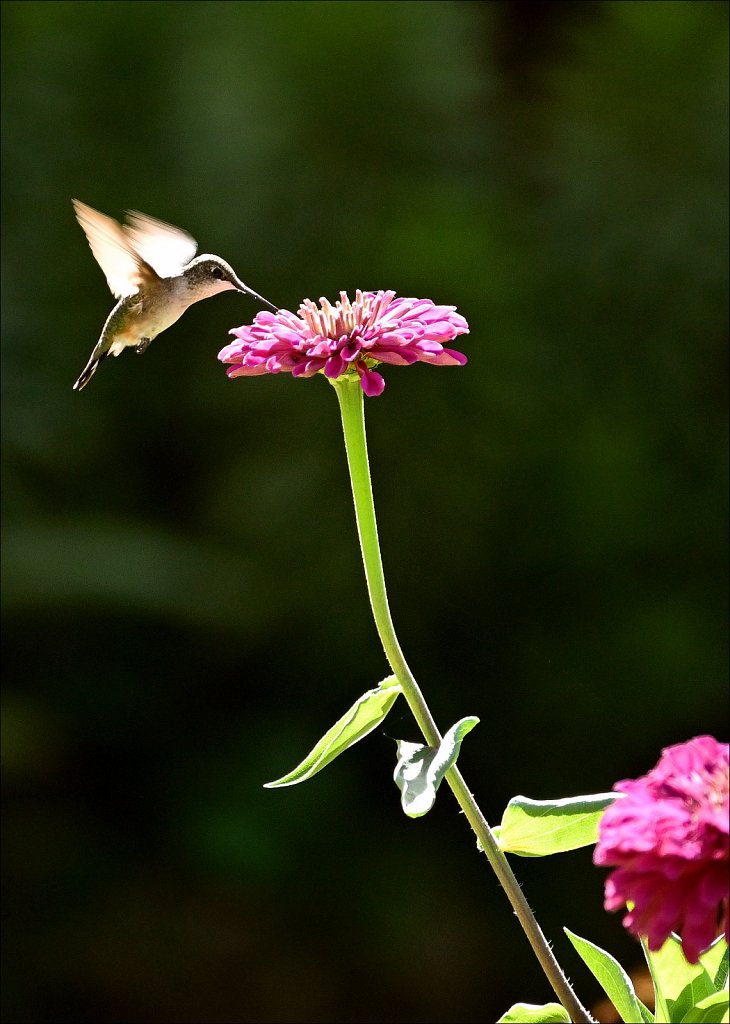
(537, 828)
(710, 1010)
(420, 769)
(681, 986)
(715, 962)
(531, 1013)
(362, 718)
(612, 978)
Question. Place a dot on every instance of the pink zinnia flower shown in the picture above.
(667, 839)
(347, 337)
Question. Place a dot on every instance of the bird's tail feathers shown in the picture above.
(88, 372)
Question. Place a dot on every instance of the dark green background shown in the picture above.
(184, 608)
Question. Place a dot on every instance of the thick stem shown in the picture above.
(350, 398)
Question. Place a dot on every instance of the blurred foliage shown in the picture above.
(180, 566)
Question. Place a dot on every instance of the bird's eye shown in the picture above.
(217, 272)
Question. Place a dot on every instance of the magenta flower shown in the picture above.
(347, 337)
(667, 839)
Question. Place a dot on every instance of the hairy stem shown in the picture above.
(350, 397)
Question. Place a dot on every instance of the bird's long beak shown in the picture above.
(249, 291)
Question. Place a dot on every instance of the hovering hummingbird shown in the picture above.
(152, 269)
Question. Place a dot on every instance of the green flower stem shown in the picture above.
(350, 396)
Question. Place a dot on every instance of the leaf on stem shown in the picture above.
(613, 979)
(531, 1013)
(684, 990)
(710, 1010)
(708, 959)
(362, 718)
(420, 769)
(537, 828)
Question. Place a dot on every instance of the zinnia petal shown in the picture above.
(372, 382)
(347, 337)
(667, 840)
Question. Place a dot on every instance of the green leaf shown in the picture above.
(715, 962)
(710, 1010)
(531, 1013)
(681, 986)
(646, 1015)
(420, 769)
(362, 718)
(612, 978)
(537, 828)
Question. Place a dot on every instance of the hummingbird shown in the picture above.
(151, 268)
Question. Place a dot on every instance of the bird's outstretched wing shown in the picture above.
(166, 248)
(125, 269)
